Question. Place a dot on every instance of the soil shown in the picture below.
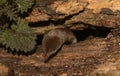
(90, 56)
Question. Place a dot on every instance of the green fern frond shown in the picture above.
(19, 38)
(10, 12)
(16, 34)
(23, 5)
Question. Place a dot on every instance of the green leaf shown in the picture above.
(14, 31)
(3, 1)
(11, 13)
(23, 5)
(20, 37)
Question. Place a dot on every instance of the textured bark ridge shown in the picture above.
(74, 14)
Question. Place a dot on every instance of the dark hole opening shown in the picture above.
(101, 32)
(39, 39)
(81, 35)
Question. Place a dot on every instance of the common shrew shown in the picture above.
(53, 40)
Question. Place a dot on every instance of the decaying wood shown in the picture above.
(84, 49)
(74, 14)
(72, 54)
(82, 58)
(78, 59)
(43, 29)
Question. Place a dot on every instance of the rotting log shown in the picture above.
(80, 54)
(74, 14)
(84, 55)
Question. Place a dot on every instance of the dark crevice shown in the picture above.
(39, 39)
(62, 21)
(101, 32)
(40, 23)
(81, 35)
(55, 22)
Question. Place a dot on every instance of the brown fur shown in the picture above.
(54, 39)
